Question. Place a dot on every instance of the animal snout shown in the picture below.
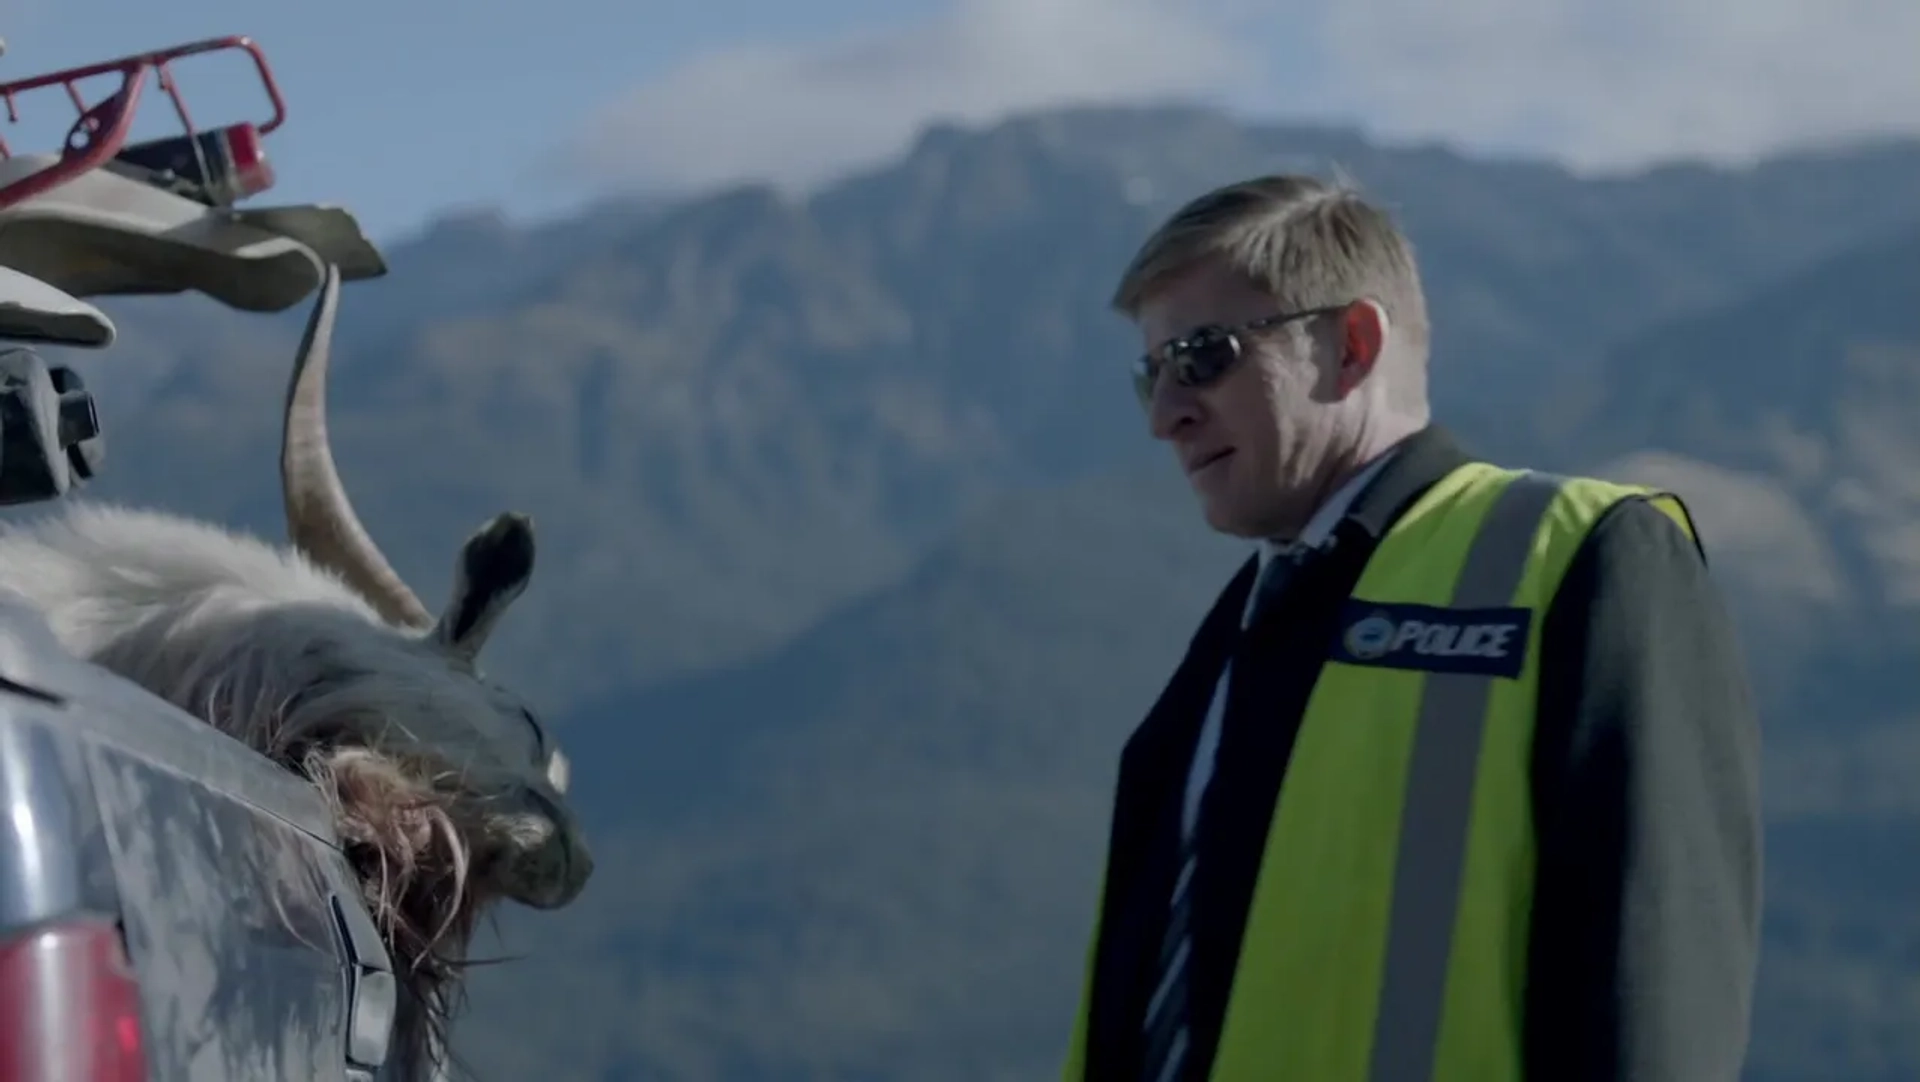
(556, 871)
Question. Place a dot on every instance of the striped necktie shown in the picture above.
(1165, 1027)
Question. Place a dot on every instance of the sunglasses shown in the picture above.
(1205, 354)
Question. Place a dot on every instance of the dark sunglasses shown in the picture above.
(1205, 353)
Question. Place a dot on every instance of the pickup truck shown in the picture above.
(174, 907)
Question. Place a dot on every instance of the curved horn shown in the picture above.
(320, 519)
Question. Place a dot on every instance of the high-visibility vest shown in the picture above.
(1386, 939)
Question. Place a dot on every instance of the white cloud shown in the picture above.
(1597, 83)
(801, 113)
(1605, 83)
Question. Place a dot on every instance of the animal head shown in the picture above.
(413, 700)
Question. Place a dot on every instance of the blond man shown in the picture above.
(1458, 779)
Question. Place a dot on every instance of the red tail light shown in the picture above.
(69, 1006)
(252, 172)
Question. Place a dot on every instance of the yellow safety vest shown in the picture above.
(1386, 940)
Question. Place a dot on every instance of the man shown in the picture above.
(1464, 787)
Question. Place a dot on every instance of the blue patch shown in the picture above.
(1428, 638)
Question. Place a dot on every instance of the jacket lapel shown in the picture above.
(1153, 775)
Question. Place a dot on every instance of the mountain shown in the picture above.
(1793, 408)
(731, 412)
(905, 804)
(857, 566)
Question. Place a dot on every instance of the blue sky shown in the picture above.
(402, 108)
(399, 108)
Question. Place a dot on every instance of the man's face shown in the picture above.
(1256, 443)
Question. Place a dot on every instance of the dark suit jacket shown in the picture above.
(1645, 785)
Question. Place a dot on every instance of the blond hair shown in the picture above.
(1306, 242)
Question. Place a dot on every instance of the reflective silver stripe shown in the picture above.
(1435, 819)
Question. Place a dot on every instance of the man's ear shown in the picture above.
(1363, 338)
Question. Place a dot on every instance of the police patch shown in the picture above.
(1427, 638)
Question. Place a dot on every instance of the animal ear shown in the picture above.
(493, 569)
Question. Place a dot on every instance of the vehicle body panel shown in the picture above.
(240, 912)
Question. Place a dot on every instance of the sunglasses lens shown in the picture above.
(1207, 354)
(1196, 361)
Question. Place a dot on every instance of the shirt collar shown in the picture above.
(1320, 527)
